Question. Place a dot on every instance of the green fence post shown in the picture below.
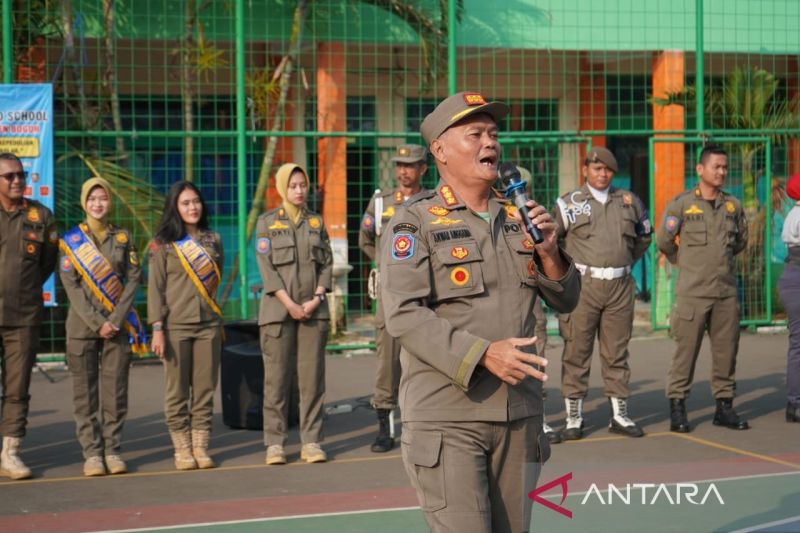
(241, 159)
(768, 230)
(8, 67)
(452, 22)
(699, 69)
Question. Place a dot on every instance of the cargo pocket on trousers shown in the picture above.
(425, 453)
(680, 313)
(565, 326)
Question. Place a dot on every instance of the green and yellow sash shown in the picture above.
(105, 284)
(200, 268)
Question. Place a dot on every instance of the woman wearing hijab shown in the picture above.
(100, 271)
(296, 263)
(185, 271)
(789, 291)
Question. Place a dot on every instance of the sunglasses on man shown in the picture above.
(10, 176)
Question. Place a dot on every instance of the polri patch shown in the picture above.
(403, 246)
(367, 222)
(459, 252)
(671, 224)
(121, 238)
(262, 245)
(66, 264)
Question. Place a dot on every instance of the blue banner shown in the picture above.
(26, 129)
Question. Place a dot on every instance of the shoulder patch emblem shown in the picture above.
(403, 246)
(693, 210)
(33, 215)
(368, 222)
(442, 221)
(459, 252)
(278, 225)
(438, 210)
(121, 238)
(405, 226)
(459, 276)
(671, 224)
(627, 199)
(314, 222)
(729, 207)
(388, 212)
(66, 264)
(262, 245)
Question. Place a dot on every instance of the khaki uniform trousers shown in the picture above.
(99, 369)
(192, 372)
(18, 350)
(475, 476)
(689, 319)
(605, 311)
(387, 377)
(293, 347)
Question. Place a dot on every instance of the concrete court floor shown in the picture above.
(153, 494)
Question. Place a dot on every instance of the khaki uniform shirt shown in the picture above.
(614, 234)
(368, 240)
(86, 313)
(702, 237)
(172, 297)
(453, 284)
(297, 259)
(28, 254)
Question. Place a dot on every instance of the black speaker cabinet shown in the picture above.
(242, 378)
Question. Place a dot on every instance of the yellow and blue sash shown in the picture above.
(105, 284)
(200, 268)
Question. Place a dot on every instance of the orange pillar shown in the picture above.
(668, 75)
(793, 146)
(592, 97)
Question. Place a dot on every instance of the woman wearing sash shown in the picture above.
(295, 261)
(100, 272)
(185, 264)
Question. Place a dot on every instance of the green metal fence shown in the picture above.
(224, 91)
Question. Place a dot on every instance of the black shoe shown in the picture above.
(793, 412)
(572, 433)
(628, 431)
(726, 416)
(553, 437)
(678, 421)
(384, 441)
(620, 421)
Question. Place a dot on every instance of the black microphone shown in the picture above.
(515, 189)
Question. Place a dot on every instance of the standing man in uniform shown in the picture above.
(703, 229)
(605, 230)
(460, 278)
(28, 253)
(410, 164)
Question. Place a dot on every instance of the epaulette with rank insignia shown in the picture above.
(424, 194)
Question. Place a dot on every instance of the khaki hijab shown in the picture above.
(99, 228)
(294, 212)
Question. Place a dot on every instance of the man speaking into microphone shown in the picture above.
(461, 276)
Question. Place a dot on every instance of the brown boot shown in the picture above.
(182, 441)
(10, 463)
(200, 438)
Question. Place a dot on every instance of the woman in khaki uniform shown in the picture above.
(100, 272)
(185, 271)
(296, 263)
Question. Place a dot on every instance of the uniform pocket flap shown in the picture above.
(453, 254)
(685, 312)
(319, 253)
(282, 256)
(425, 449)
(521, 244)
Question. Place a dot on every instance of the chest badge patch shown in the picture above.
(459, 252)
(121, 238)
(694, 210)
(278, 225)
(33, 215)
(403, 246)
(729, 207)
(459, 276)
(314, 222)
(388, 212)
(527, 244)
(627, 199)
(443, 221)
(438, 210)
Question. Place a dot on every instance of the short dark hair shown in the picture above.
(709, 150)
(8, 156)
(172, 227)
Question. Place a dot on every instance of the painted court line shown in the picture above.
(768, 524)
(191, 472)
(268, 519)
(739, 451)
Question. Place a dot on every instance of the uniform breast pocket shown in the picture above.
(694, 233)
(731, 228)
(629, 222)
(582, 227)
(319, 254)
(32, 243)
(283, 252)
(522, 250)
(119, 258)
(457, 271)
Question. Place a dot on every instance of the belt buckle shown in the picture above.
(608, 273)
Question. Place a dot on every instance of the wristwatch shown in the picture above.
(158, 327)
(321, 297)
